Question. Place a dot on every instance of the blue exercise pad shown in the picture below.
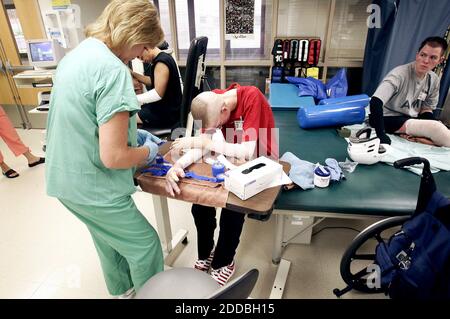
(285, 96)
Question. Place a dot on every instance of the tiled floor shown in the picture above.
(47, 253)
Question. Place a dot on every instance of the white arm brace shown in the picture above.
(148, 97)
(244, 150)
(190, 157)
(219, 145)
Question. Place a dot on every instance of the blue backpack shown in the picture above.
(415, 261)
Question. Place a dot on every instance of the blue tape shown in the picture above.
(190, 174)
(158, 169)
(159, 159)
(217, 168)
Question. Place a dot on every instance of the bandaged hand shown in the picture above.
(172, 178)
(202, 142)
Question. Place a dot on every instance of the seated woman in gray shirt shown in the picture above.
(405, 99)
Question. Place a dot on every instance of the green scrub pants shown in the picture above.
(128, 246)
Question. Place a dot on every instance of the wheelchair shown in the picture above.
(356, 263)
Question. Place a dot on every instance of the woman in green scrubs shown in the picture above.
(91, 142)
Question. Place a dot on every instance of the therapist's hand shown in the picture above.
(143, 135)
(172, 178)
(145, 138)
(203, 142)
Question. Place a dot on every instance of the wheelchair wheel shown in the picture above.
(356, 260)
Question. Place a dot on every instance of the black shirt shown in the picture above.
(165, 112)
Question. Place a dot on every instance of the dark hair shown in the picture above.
(163, 46)
(435, 42)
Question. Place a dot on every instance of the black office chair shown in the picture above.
(194, 83)
(190, 283)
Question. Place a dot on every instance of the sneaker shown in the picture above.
(129, 294)
(223, 274)
(204, 264)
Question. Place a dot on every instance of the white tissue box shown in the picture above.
(253, 177)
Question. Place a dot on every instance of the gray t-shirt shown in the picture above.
(403, 93)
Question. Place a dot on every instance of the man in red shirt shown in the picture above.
(246, 120)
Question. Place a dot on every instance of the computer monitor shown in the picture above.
(44, 53)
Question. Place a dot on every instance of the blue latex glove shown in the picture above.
(145, 138)
(153, 149)
(143, 135)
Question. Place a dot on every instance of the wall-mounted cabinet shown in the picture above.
(64, 25)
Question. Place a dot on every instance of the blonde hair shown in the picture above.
(125, 23)
(206, 108)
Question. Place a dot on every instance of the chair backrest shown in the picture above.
(239, 288)
(189, 283)
(172, 53)
(195, 71)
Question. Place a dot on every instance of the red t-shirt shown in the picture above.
(258, 122)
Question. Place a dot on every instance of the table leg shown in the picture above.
(280, 280)
(171, 246)
(278, 239)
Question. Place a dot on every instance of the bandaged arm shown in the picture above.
(244, 150)
(161, 82)
(190, 157)
(148, 97)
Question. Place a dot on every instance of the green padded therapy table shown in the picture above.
(370, 191)
(376, 190)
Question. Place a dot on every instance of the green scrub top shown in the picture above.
(90, 86)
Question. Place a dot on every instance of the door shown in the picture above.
(19, 20)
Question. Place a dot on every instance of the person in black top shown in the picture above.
(160, 105)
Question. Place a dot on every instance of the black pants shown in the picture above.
(231, 224)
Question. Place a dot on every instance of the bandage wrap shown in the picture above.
(148, 97)
(434, 130)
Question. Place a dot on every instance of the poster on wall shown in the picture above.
(239, 19)
(60, 4)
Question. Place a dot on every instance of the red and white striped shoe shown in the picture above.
(223, 274)
(204, 264)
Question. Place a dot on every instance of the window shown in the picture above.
(349, 32)
(164, 16)
(198, 18)
(304, 18)
(212, 76)
(255, 76)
